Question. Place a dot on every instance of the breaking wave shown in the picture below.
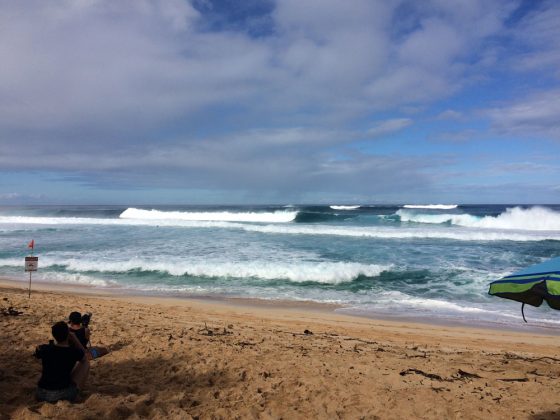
(318, 272)
(223, 216)
(471, 234)
(401, 233)
(344, 207)
(431, 206)
(516, 218)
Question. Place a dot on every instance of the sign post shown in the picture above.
(31, 264)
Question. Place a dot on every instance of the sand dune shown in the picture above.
(195, 359)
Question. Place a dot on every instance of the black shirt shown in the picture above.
(58, 363)
(80, 334)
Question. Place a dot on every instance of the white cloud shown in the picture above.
(106, 64)
(539, 34)
(537, 115)
(10, 196)
(16, 197)
(143, 92)
(389, 126)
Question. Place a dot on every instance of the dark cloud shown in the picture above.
(282, 161)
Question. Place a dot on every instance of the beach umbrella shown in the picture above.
(532, 285)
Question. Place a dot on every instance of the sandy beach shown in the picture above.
(179, 358)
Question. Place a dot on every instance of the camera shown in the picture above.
(86, 318)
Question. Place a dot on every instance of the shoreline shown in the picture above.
(274, 310)
(120, 292)
(248, 303)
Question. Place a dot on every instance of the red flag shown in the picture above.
(31, 244)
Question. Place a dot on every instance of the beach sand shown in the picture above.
(179, 358)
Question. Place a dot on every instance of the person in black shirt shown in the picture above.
(82, 333)
(65, 367)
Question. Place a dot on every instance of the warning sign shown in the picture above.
(31, 263)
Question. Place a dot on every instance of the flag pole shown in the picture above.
(32, 246)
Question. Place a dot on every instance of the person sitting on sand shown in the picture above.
(83, 334)
(65, 367)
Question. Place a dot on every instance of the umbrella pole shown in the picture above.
(523, 313)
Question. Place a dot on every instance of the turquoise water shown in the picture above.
(432, 262)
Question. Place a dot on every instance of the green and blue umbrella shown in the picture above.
(531, 286)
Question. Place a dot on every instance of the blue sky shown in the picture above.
(292, 101)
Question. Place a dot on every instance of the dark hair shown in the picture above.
(75, 318)
(60, 331)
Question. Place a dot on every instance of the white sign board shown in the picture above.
(31, 263)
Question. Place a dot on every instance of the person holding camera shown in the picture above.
(79, 327)
(65, 367)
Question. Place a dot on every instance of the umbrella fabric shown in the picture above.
(532, 285)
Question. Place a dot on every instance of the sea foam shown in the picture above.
(431, 206)
(326, 272)
(473, 233)
(516, 218)
(223, 216)
(404, 233)
(344, 207)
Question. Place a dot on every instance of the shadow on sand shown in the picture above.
(128, 383)
(546, 415)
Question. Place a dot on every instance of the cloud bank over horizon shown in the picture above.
(212, 101)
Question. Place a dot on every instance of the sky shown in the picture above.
(285, 102)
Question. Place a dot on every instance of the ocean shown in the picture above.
(430, 262)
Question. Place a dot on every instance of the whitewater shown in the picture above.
(431, 261)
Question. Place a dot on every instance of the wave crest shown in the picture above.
(325, 272)
(222, 216)
(515, 218)
(431, 206)
(344, 207)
